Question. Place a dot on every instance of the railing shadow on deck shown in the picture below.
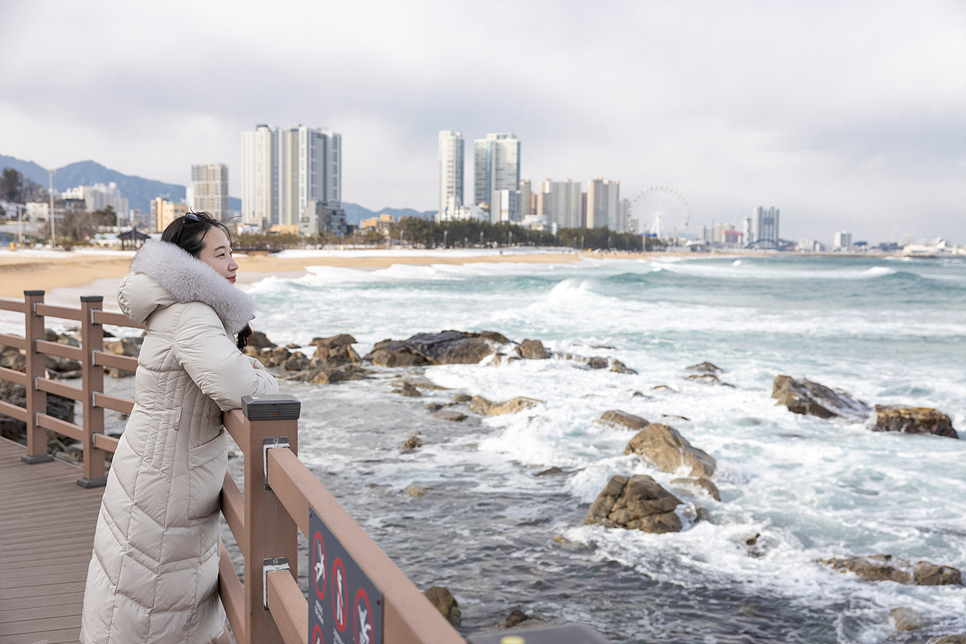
(280, 490)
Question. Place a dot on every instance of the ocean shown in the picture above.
(887, 330)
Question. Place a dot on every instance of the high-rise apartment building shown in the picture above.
(526, 198)
(507, 205)
(842, 239)
(451, 156)
(285, 169)
(764, 225)
(163, 212)
(209, 189)
(496, 165)
(260, 176)
(560, 202)
(604, 205)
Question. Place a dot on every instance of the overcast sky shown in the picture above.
(845, 115)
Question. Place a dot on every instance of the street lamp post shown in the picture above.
(445, 233)
(481, 238)
(53, 233)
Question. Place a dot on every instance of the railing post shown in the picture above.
(92, 339)
(36, 367)
(270, 532)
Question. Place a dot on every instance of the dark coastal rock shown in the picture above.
(663, 447)
(450, 415)
(958, 638)
(409, 390)
(259, 341)
(598, 362)
(336, 350)
(417, 380)
(708, 379)
(813, 399)
(445, 603)
(432, 406)
(269, 357)
(532, 350)
(457, 347)
(913, 420)
(906, 619)
(889, 568)
(412, 443)
(480, 405)
(461, 398)
(704, 367)
(699, 483)
(635, 503)
(395, 353)
(58, 407)
(297, 362)
(623, 420)
(13, 358)
(517, 619)
(331, 376)
(551, 471)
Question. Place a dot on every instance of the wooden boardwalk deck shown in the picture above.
(46, 535)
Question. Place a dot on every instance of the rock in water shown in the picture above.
(635, 503)
(336, 350)
(699, 483)
(445, 603)
(408, 389)
(480, 405)
(457, 347)
(461, 398)
(704, 367)
(450, 415)
(959, 638)
(623, 419)
(394, 353)
(913, 420)
(533, 350)
(889, 568)
(906, 619)
(259, 341)
(813, 399)
(664, 448)
(412, 443)
(415, 491)
(518, 619)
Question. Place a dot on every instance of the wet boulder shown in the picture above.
(332, 375)
(813, 399)
(517, 619)
(408, 389)
(396, 353)
(130, 347)
(635, 503)
(708, 379)
(458, 347)
(889, 568)
(259, 341)
(663, 447)
(913, 420)
(704, 367)
(445, 603)
(623, 420)
(480, 405)
(58, 407)
(450, 415)
(532, 350)
(336, 350)
(693, 484)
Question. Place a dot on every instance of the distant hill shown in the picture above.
(140, 191)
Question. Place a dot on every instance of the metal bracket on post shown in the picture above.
(274, 442)
(271, 565)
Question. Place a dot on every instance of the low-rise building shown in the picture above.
(322, 217)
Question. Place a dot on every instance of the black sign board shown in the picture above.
(344, 606)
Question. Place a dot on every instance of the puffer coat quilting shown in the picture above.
(153, 576)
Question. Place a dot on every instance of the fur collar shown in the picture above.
(189, 279)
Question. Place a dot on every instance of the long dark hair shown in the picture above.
(188, 233)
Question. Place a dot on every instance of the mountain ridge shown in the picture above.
(140, 191)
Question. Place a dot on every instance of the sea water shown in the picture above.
(886, 330)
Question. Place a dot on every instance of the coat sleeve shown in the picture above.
(213, 361)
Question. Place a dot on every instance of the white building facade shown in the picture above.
(764, 225)
(451, 157)
(842, 240)
(285, 169)
(496, 165)
(560, 202)
(209, 189)
(604, 205)
(99, 197)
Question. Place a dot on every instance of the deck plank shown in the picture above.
(46, 538)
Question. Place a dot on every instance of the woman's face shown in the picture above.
(217, 254)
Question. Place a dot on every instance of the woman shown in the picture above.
(154, 573)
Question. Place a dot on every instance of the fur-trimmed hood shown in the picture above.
(163, 273)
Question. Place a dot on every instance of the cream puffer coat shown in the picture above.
(153, 577)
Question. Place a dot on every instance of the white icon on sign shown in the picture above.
(319, 563)
(340, 598)
(365, 626)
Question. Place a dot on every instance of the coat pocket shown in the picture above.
(207, 464)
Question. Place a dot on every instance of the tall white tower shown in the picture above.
(209, 189)
(451, 154)
(260, 176)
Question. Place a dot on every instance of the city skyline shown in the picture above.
(854, 119)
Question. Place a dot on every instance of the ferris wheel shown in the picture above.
(664, 209)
